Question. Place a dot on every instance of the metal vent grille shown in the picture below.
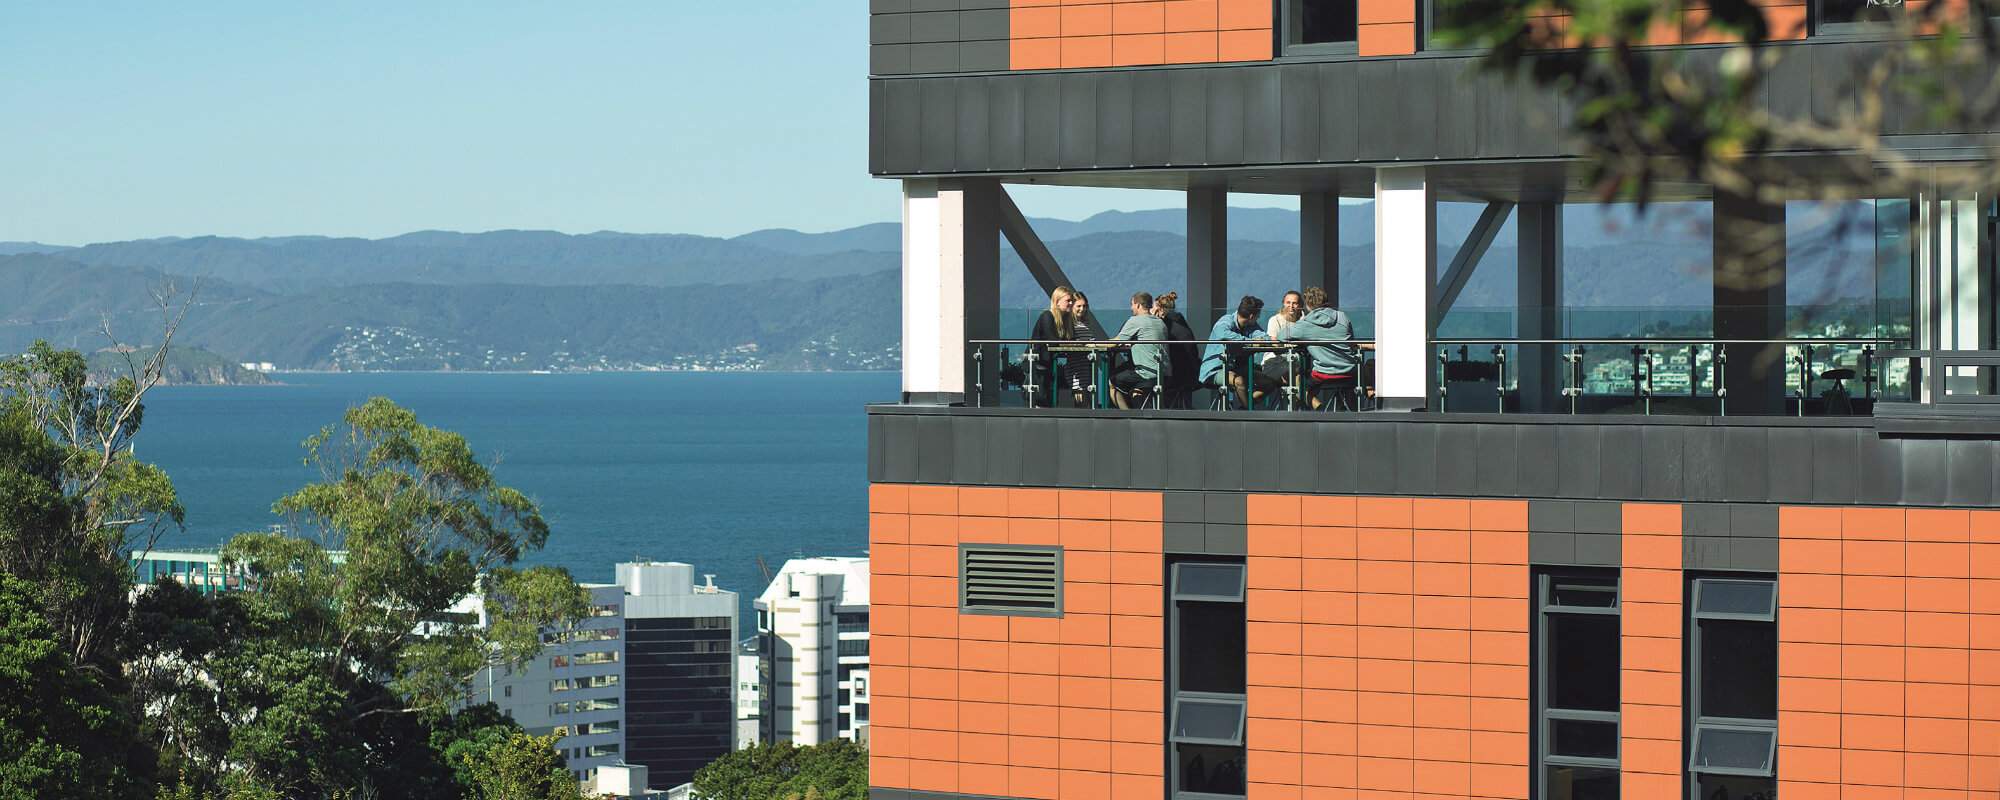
(1010, 579)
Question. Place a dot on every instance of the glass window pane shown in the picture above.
(1739, 669)
(1583, 592)
(1208, 719)
(1583, 662)
(1209, 580)
(1732, 749)
(1581, 783)
(1211, 769)
(1211, 647)
(1837, 11)
(1583, 739)
(1749, 598)
(1327, 21)
(1736, 787)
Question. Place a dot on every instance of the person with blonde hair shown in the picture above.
(1058, 323)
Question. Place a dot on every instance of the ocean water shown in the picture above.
(712, 469)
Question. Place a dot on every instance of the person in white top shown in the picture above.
(1294, 308)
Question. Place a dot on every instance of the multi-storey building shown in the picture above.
(749, 688)
(573, 689)
(680, 670)
(812, 627)
(1755, 598)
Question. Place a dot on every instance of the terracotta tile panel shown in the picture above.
(1651, 619)
(1094, 629)
(1083, 504)
(1926, 735)
(1267, 572)
(1985, 526)
(1863, 732)
(1274, 735)
(1500, 547)
(1273, 637)
(1938, 525)
(1384, 544)
(1939, 701)
(1939, 559)
(1264, 509)
(1982, 774)
(1142, 569)
(1137, 759)
(1137, 695)
(1500, 616)
(982, 717)
(1084, 662)
(1809, 522)
(1150, 785)
(1805, 660)
(1498, 715)
(1637, 784)
(1330, 640)
(1328, 574)
(1653, 552)
(1499, 515)
(1135, 537)
(1871, 767)
(1938, 665)
(1274, 539)
(940, 623)
(1135, 507)
(1872, 558)
(1884, 524)
(1085, 723)
(1086, 598)
(1817, 556)
(1329, 608)
(1244, 45)
(1501, 680)
(1871, 697)
(1085, 534)
(1339, 511)
(1330, 673)
(1327, 541)
(1442, 514)
(934, 653)
(1809, 694)
(934, 500)
(1032, 751)
(888, 528)
(1654, 653)
(1385, 741)
(1446, 742)
(982, 501)
(1031, 782)
(1495, 580)
(1135, 600)
(1652, 688)
(1032, 503)
(1390, 610)
(1033, 713)
(1329, 738)
(1023, 530)
(1137, 726)
(1389, 577)
(1442, 580)
(1450, 612)
(1653, 519)
(1137, 631)
(1940, 594)
(1442, 645)
(889, 498)
(940, 775)
(1938, 630)
(1443, 678)
(981, 749)
(1442, 545)
(889, 620)
(1384, 512)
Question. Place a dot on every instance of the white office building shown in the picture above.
(574, 688)
(812, 625)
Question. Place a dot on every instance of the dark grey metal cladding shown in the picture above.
(1761, 462)
(938, 37)
(1357, 111)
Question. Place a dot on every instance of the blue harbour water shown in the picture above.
(713, 469)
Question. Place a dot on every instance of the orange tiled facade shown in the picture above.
(1389, 650)
(1074, 34)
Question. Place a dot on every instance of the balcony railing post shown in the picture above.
(1500, 384)
(1638, 387)
(1868, 372)
(1651, 364)
(1721, 380)
(979, 376)
(1444, 357)
(1573, 376)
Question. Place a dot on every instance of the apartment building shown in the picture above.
(1768, 593)
(812, 626)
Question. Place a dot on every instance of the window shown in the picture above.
(1016, 580)
(1576, 684)
(853, 647)
(559, 708)
(1733, 685)
(852, 622)
(1846, 12)
(597, 658)
(1320, 27)
(509, 690)
(1208, 679)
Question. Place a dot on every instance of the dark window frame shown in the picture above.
(1700, 722)
(1546, 717)
(1179, 697)
(1289, 16)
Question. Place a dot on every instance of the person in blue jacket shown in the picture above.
(1224, 367)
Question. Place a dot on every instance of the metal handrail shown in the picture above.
(1644, 363)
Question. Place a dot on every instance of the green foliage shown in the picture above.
(511, 765)
(340, 673)
(836, 770)
(182, 365)
(63, 733)
(79, 502)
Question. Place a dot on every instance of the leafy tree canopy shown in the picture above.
(835, 770)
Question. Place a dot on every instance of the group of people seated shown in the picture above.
(1165, 361)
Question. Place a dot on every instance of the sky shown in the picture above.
(130, 120)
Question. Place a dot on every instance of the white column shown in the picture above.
(1405, 277)
(933, 292)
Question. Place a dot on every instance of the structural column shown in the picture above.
(951, 288)
(1405, 277)
(1207, 257)
(1749, 249)
(1539, 304)
(1319, 243)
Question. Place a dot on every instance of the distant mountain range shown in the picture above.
(770, 299)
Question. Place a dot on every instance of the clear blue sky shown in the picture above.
(131, 120)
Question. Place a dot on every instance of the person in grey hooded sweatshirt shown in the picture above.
(1331, 363)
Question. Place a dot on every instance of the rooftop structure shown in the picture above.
(812, 629)
(1776, 590)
